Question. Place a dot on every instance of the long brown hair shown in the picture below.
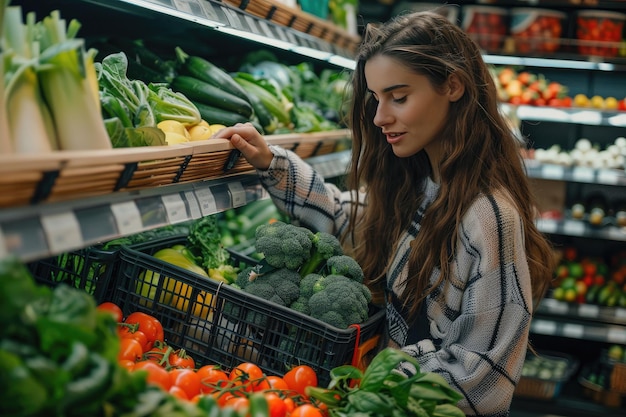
(480, 155)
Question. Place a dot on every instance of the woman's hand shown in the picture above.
(249, 142)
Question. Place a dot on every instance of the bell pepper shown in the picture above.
(172, 291)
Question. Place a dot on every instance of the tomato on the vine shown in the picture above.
(112, 308)
(156, 374)
(130, 349)
(126, 333)
(127, 364)
(187, 379)
(180, 359)
(299, 377)
(306, 410)
(148, 324)
(276, 405)
(178, 392)
(157, 352)
(247, 374)
(277, 383)
(211, 378)
(239, 404)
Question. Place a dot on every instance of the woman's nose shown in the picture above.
(382, 116)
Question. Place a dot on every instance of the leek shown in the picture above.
(30, 127)
(67, 75)
(5, 139)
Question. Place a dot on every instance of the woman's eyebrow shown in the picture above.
(390, 88)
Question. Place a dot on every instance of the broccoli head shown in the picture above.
(343, 296)
(280, 286)
(245, 276)
(346, 266)
(325, 245)
(307, 283)
(284, 245)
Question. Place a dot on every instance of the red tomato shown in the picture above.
(178, 392)
(186, 379)
(125, 333)
(299, 377)
(306, 410)
(148, 324)
(211, 377)
(277, 383)
(126, 363)
(130, 349)
(180, 359)
(247, 374)
(157, 352)
(239, 404)
(112, 308)
(156, 374)
(276, 405)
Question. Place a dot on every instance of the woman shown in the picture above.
(443, 225)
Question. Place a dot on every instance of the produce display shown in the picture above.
(599, 32)
(582, 279)
(536, 30)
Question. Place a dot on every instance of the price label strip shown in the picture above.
(62, 231)
(552, 172)
(189, 6)
(3, 247)
(175, 208)
(544, 327)
(583, 174)
(574, 331)
(206, 200)
(194, 206)
(237, 194)
(127, 217)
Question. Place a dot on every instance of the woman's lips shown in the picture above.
(394, 137)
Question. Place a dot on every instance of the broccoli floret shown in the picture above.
(301, 305)
(346, 266)
(307, 283)
(280, 286)
(284, 245)
(245, 277)
(334, 319)
(325, 245)
(341, 295)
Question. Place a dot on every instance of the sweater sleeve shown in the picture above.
(302, 193)
(481, 320)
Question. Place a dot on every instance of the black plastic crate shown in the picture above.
(220, 324)
(89, 269)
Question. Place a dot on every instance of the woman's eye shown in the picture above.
(399, 99)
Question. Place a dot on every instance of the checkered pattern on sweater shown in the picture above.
(481, 318)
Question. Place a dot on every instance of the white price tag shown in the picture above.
(547, 225)
(620, 313)
(175, 208)
(3, 246)
(267, 30)
(62, 231)
(544, 327)
(616, 335)
(573, 228)
(575, 331)
(555, 306)
(606, 176)
(237, 194)
(127, 217)
(552, 172)
(583, 174)
(206, 199)
(184, 6)
(252, 25)
(194, 206)
(588, 310)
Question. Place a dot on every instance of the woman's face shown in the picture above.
(410, 111)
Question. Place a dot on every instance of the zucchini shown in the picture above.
(269, 100)
(203, 92)
(266, 118)
(215, 115)
(208, 72)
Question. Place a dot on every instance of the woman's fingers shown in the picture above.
(250, 142)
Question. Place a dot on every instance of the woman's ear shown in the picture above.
(456, 88)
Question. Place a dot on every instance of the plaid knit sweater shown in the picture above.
(478, 323)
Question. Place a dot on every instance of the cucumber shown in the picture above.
(215, 115)
(208, 72)
(269, 100)
(203, 92)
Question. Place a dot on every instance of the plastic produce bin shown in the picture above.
(599, 32)
(487, 25)
(219, 324)
(536, 30)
